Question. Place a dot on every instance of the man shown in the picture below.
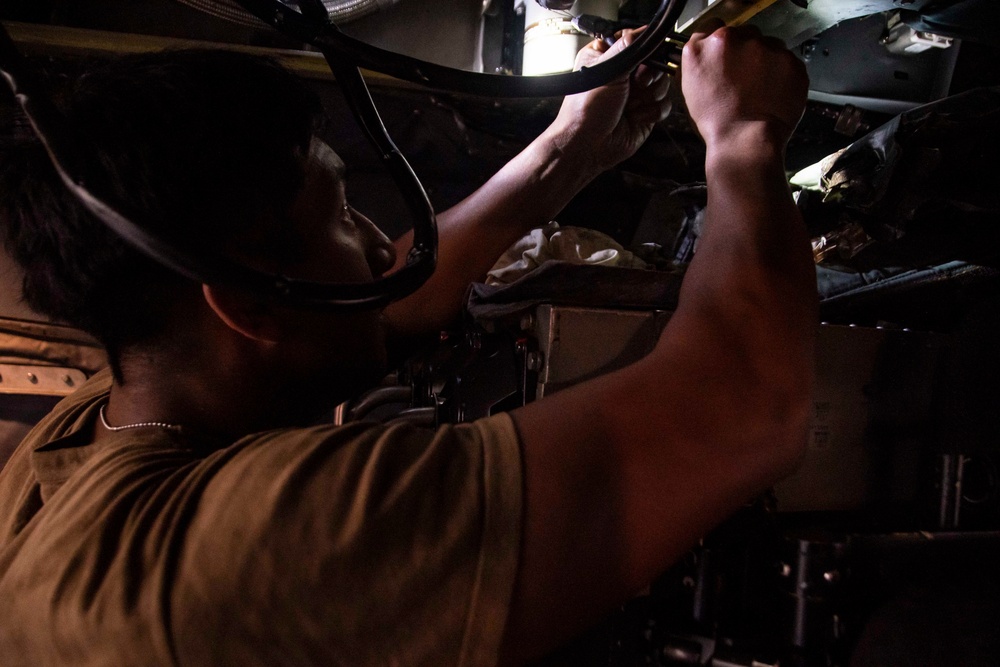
(184, 511)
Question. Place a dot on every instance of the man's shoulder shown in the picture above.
(299, 524)
(341, 458)
(314, 520)
(366, 438)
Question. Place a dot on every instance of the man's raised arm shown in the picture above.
(593, 132)
(624, 473)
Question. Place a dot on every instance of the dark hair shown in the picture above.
(204, 146)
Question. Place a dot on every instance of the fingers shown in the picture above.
(745, 32)
(650, 104)
(649, 114)
(597, 50)
(622, 40)
(707, 29)
(660, 88)
(653, 84)
(645, 76)
(598, 45)
(735, 74)
(752, 32)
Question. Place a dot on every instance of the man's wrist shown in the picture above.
(562, 153)
(746, 144)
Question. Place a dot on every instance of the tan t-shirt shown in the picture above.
(354, 545)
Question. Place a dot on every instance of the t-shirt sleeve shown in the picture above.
(359, 545)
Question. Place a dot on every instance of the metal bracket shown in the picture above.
(39, 380)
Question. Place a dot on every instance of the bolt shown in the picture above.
(527, 321)
(786, 570)
(533, 360)
(32, 378)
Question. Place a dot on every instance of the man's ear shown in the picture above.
(243, 313)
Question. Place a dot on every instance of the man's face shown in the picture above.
(334, 355)
(340, 244)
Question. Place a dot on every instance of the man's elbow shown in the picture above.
(785, 410)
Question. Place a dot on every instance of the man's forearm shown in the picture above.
(528, 192)
(753, 267)
(748, 306)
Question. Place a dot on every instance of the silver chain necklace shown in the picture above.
(104, 422)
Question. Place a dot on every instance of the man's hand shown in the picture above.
(606, 125)
(736, 80)
(593, 132)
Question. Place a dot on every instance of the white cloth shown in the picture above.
(576, 245)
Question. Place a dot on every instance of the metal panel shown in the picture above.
(577, 344)
(792, 23)
(872, 407)
(871, 419)
(878, 77)
(446, 32)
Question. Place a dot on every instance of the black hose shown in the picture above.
(326, 36)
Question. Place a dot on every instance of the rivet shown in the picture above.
(32, 378)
